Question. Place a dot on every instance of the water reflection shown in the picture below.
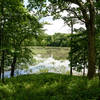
(45, 65)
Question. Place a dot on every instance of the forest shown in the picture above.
(35, 65)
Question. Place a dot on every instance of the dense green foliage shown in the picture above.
(79, 51)
(50, 87)
(17, 28)
(56, 40)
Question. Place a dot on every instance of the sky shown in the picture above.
(56, 26)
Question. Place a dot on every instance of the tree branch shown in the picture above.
(75, 13)
(82, 7)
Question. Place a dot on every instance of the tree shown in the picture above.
(79, 51)
(70, 21)
(85, 11)
(8, 10)
(17, 28)
(97, 36)
(23, 32)
(57, 40)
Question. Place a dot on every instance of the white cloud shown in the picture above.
(57, 26)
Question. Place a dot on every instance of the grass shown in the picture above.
(59, 53)
(50, 86)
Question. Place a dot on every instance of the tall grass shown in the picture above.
(50, 86)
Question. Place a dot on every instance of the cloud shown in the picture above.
(58, 26)
(55, 26)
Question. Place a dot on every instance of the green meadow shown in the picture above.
(50, 86)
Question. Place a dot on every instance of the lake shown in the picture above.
(48, 59)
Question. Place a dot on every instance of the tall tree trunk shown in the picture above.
(91, 40)
(2, 40)
(71, 47)
(91, 50)
(2, 65)
(13, 65)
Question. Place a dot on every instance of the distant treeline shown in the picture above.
(57, 40)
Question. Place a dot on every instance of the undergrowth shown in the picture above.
(50, 86)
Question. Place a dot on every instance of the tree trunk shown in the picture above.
(90, 25)
(71, 73)
(2, 40)
(2, 65)
(84, 71)
(0, 71)
(84, 62)
(99, 72)
(0, 68)
(13, 65)
(91, 50)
